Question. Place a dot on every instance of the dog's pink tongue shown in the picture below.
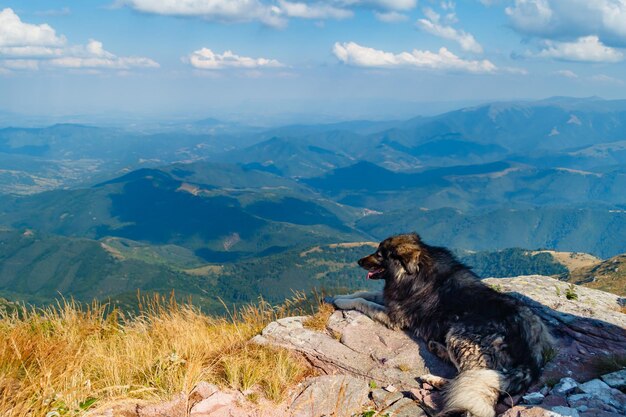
(369, 275)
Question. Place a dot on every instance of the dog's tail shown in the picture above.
(475, 391)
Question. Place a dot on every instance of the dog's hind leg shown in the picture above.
(371, 309)
(439, 350)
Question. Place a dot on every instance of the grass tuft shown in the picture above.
(319, 320)
(69, 358)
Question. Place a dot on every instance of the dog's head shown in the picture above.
(395, 255)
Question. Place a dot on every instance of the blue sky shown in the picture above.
(335, 58)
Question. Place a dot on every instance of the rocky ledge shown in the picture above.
(368, 370)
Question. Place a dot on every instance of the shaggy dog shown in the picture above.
(496, 343)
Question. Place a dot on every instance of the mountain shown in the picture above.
(234, 211)
(576, 229)
(523, 126)
(470, 186)
(286, 157)
(608, 275)
(38, 268)
(219, 211)
(69, 155)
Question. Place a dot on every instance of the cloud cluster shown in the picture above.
(25, 46)
(566, 19)
(584, 49)
(433, 25)
(361, 56)
(573, 30)
(270, 12)
(207, 59)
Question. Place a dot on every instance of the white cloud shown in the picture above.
(585, 49)
(15, 33)
(397, 5)
(566, 19)
(353, 54)
(433, 26)
(270, 12)
(566, 73)
(25, 46)
(530, 15)
(603, 78)
(215, 10)
(30, 51)
(391, 17)
(21, 64)
(93, 55)
(312, 11)
(207, 59)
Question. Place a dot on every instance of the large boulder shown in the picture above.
(587, 324)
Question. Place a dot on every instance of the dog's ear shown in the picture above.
(408, 251)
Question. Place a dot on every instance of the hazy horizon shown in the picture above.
(334, 59)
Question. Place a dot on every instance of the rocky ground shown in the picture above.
(369, 370)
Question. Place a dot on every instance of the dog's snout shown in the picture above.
(360, 262)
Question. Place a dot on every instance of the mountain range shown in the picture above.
(213, 196)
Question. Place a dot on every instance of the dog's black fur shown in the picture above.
(496, 343)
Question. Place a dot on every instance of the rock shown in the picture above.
(533, 398)
(174, 408)
(604, 393)
(512, 400)
(565, 411)
(527, 411)
(340, 395)
(384, 398)
(404, 408)
(201, 391)
(591, 401)
(599, 413)
(615, 379)
(554, 401)
(595, 386)
(220, 404)
(585, 329)
(365, 349)
(431, 401)
(566, 386)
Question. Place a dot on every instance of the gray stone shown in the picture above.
(565, 411)
(595, 386)
(565, 386)
(336, 395)
(533, 398)
(383, 398)
(611, 397)
(615, 379)
(404, 408)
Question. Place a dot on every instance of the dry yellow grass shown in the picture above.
(68, 358)
(320, 318)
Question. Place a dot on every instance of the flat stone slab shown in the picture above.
(586, 329)
(357, 345)
(331, 395)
